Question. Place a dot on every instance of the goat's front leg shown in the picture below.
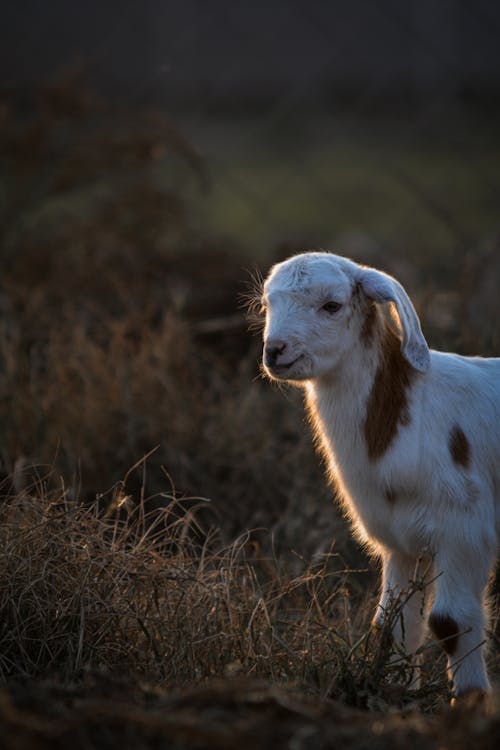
(458, 616)
(398, 573)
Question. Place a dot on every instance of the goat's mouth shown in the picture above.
(282, 371)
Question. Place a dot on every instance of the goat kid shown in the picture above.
(411, 437)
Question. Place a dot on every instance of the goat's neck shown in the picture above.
(338, 400)
(350, 408)
(366, 399)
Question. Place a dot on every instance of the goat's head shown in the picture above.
(316, 307)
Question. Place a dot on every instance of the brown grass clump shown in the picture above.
(113, 588)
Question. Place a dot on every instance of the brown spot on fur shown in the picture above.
(368, 327)
(390, 496)
(367, 310)
(459, 446)
(446, 630)
(387, 406)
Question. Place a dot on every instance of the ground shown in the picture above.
(221, 715)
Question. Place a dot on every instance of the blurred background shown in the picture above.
(157, 154)
(162, 509)
(368, 126)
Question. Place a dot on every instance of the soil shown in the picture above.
(237, 714)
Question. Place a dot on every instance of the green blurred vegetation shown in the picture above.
(424, 190)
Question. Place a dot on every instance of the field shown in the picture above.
(173, 569)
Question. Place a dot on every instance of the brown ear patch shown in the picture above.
(369, 324)
(367, 309)
(459, 446)
(445, 629)
(387, 406)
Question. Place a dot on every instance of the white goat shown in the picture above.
(412, 438)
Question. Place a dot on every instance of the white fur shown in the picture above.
(444, 512)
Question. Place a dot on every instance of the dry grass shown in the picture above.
(111, 587)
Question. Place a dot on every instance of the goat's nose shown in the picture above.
(272, 349)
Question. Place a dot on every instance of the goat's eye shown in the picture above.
(331, 307)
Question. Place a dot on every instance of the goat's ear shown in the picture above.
(382, 288)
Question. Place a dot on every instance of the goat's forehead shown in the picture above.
(309, 276)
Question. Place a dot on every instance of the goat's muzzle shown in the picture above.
(279, 356)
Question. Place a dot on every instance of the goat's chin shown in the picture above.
(297, 372)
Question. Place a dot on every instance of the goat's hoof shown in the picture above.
(475, 699)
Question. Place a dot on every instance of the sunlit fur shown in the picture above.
(396, 423)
